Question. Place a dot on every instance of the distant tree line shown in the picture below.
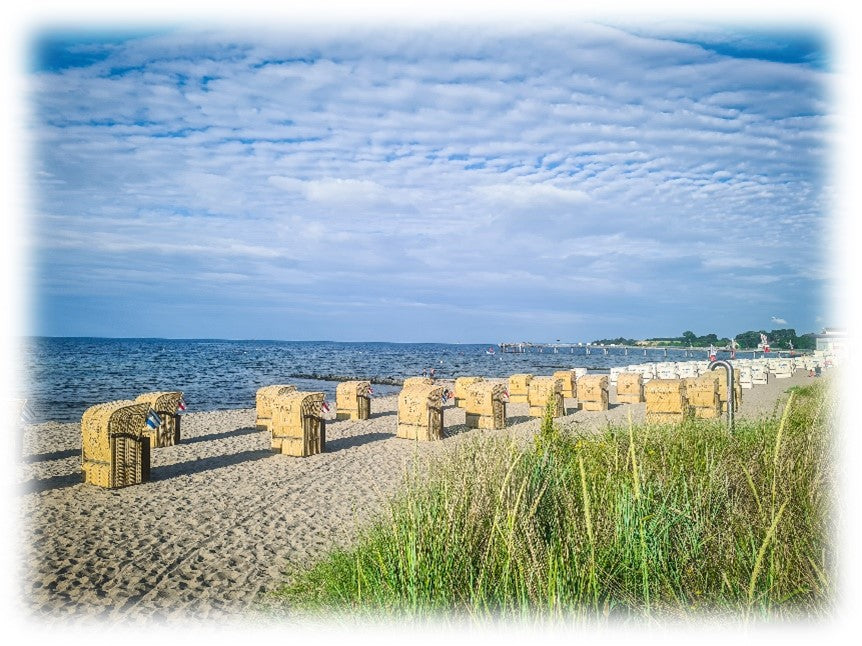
(778, 339)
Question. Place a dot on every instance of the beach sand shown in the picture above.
(223, 516)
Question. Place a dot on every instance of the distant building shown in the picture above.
(831, 340)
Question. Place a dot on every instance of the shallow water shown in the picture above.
(62, 377)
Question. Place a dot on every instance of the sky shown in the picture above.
(571, 180)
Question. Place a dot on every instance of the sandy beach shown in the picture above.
(223, 516)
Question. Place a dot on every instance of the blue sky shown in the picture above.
(461, 183)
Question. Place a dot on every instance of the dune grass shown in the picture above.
(639, 521)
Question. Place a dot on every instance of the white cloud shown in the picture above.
(533, 195)
(778, 320)
(590, 152)
(336, 191)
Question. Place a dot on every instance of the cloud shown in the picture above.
(778, 320)
(459, 163)
(531, 195)
(337, 191)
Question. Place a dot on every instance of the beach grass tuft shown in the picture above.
(668, 521)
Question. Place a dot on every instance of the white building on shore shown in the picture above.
(831, 340)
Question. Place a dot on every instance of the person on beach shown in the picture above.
(712, 353)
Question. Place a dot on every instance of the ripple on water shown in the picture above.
(67, 375)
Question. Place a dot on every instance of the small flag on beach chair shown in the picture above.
(181, 406)
(153, 419)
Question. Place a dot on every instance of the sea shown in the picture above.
(62, 377)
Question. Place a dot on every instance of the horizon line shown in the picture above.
(266, 340)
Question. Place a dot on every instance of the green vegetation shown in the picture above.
(643, 521)
(778, 339)
(689, 340)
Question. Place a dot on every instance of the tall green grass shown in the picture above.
(638, 521)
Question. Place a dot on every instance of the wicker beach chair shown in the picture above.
(615, 373)
(702, 395)
(569, 380)
(722, 389)
(420, 413)
(666, 401)
(298, 427)
(647, 371)
(23, 415)
(115, 452)
(264, 399)
(759, 373)
(686, 369)
(593, 392)
(462, 384)
(166, 404)
(783, 369)
(519, 386)
(630, 388)
(21, 411)
(353, 400)
(666, 370)
(485, 405)
(745, 377)
(543, 390)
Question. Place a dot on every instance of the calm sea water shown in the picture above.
(62, 377)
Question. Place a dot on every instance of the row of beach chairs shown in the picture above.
(752, 372)
(117, 437)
